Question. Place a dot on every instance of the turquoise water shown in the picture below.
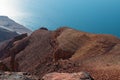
(96, 16)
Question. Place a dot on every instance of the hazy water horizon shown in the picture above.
(95, 16)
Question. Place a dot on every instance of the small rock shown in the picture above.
(25, 73)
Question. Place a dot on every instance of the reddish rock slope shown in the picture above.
(69, 50)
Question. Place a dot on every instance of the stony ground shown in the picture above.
(67, 76)
(49, 76)
(17, 76)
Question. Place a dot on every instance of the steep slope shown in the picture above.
(12, 25)
(69, 50)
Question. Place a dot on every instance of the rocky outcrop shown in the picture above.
(44, 28)
(67, 76)
(12, 48)
(13, 45)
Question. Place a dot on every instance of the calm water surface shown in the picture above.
(96, 16)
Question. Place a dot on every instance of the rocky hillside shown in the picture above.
(9, 29)
(65, 50)
(6, 34)
(12, 25)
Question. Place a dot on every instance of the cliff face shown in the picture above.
(68, 50)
